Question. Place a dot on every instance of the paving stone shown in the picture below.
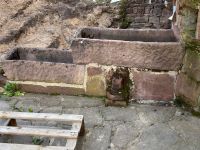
(153, 114)
(92, 116)
(123, 134)
(78, 101)
(136, 127)
(4, 106)
(97, 138)
(188, 127)
(28, 105)
(55, 109)
(119, 114)
(156, 137)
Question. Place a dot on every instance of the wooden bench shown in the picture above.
(9, 127)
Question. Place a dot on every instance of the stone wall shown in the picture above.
(188, 87)
(144, 14)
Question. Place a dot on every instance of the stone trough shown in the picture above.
(142, 48)
(150, 57)
(49, 70)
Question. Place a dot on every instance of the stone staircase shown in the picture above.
(152, 57)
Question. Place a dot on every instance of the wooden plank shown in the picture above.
(38, 132)
(41, 116)
(6, 146)
(71, 143)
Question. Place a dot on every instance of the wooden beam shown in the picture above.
(41, 116)
(6, 146)
(70, 134)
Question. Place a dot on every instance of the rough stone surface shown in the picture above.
(191, 65)
(47, 88)
(187, 89)
(160, 56)
(141, 127)
(152, 11)
(153, 86)
(95, 84)
(44, 72)
(137, 127)
(198, 27)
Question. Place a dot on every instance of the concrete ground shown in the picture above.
(137, 127)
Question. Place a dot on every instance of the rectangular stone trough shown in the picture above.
(141, 48)
(44, 70)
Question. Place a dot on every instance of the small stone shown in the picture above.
(98, 11)
(105, 20)
(1, 90)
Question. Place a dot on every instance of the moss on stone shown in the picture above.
(193, 45)
(124, 21)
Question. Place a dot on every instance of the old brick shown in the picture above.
(153, 86)
(154, 19)
(134, 10)
(143, 19)
(187, 89)
(140, 10)
(147, 9)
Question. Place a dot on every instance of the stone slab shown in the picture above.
(47, 88)
(187, 89)
(20, 70)
(146, 55)
(191, 65)
(153, 86)
(95, 83)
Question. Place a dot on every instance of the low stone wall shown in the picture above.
(144, 14)
(188, 87)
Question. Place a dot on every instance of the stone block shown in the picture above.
(140, 11)
(187, 89)
(192, 65)
(154, 19)
(50, 88)
(95, 84)
(20, 70)
(153, 86)
(146, 55)
(142, 19)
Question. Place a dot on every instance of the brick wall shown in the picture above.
(143, 14)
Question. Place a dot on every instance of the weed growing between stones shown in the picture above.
(193, 45)
(37, 140)
(11, 89)
(179, 102)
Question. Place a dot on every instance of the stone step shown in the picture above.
(50, 88)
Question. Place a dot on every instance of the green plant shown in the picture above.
(30, 109)
(37, 140)
(124, 21)
(10, 89)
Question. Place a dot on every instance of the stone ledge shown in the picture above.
(43, 71)
(50, 88)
